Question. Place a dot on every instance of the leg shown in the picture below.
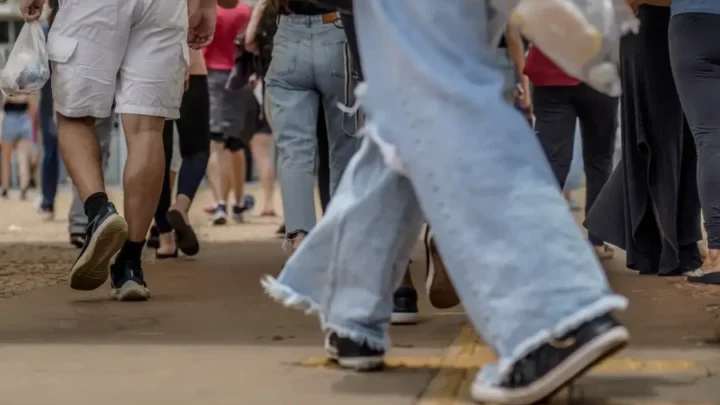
(261, 145)
(371, 198)
(50, 165)
(598, 114)
(323, 161)
(555, 121)
(218, 161)
(194, 138)
(696, 68)
(150, 88)
(24, 157)
(238, 167)
(166, 238)
(7, 153)
(332, 82)
(294, 108)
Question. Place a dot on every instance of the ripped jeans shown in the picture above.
(442, 142)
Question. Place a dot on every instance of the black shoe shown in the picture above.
(352, 355)
(552, 366)
(185, 236)
(4, 193)
(153, 241)
(405, 309)
(104, 236)
(128, 283)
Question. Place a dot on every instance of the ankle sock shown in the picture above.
(131, 251)
(94, 204)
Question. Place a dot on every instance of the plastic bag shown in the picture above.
(27, 68)
(581, 36)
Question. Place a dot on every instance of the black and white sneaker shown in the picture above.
(104, 236)
(352, 355)
(554, 365)
(405, 308)
(128, 283)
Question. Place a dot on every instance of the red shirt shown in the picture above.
(543, 72)
(220, 54)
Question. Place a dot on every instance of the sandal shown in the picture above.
(185, 236)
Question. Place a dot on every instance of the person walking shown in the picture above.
(491, 201)
(106, 52)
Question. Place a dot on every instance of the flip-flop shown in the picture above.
(185, 236)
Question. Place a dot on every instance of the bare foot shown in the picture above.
(711, 264)
(296, 241)
(604, 252)
(167, 246)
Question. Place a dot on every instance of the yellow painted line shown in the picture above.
(456, 370)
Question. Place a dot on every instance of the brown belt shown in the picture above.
(330, 18)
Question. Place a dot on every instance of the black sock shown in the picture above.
(94, 204)
(131, 252)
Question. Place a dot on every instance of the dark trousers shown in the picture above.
(557, 109)
(50, 169)
(194, 141)
(695, 60)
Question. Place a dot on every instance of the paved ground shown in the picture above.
(211, 337)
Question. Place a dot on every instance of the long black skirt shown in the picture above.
(650, 205)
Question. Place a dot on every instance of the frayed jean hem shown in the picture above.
(495, 374)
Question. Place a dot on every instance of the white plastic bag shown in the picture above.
(27, 68)
(581, 36)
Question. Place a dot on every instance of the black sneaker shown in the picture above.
(405, 309)
(104, 237)
(352, 355)
(554, 365)
(128, 283)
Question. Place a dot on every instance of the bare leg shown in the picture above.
(144, 171)
(7, 150)
(24, 157)
(260, 146)
(239, 166)
(215, 171)
(80, 151)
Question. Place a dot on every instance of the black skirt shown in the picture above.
(650, 205)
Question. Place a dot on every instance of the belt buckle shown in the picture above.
(330, 18)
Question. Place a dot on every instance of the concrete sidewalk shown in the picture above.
(210, 336)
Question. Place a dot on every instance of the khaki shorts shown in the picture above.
(133, 52)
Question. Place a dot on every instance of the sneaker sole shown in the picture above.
(92, 269)
(564, 374)
(363, 364)
(405, 318)
(440, 289)
(131, 291)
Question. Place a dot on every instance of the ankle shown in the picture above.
(131, 252)
(94, 204)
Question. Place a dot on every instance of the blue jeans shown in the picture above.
(442, 141)
(50, 162)
(307, 73)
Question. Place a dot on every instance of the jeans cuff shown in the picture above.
(495, 374)
(288, 297)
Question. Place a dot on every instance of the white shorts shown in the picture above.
(133, 52)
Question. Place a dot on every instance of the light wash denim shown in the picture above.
(577, 173)
(441, 141)
(307, 73)
(77, 220)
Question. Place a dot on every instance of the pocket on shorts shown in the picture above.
(61, 48)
